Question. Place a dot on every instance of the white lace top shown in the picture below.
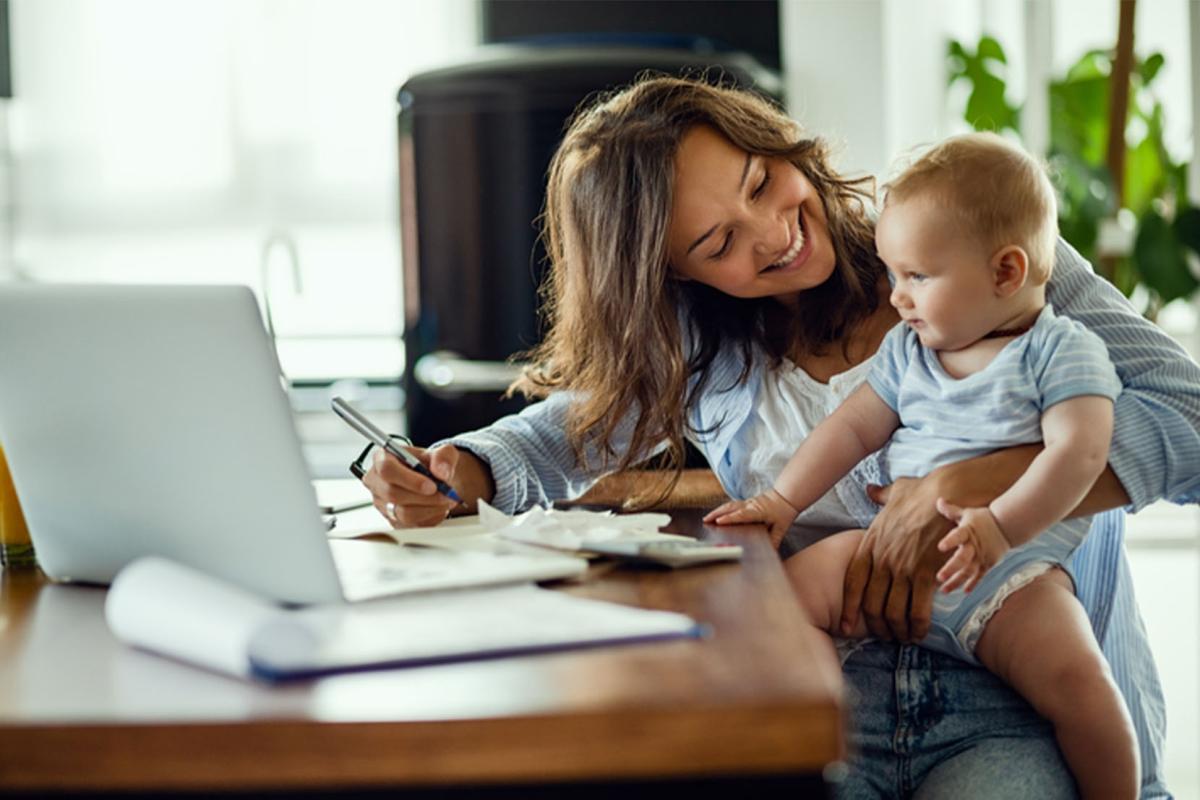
(790, 404)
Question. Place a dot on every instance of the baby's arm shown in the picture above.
(859, 426)
(1077, 433)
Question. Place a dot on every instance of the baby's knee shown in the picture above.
(1079, 681)
(817, 573)
(834, 552)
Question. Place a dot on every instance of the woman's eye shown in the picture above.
(724, 247)
(762, 186)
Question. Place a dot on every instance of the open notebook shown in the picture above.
(165, 607)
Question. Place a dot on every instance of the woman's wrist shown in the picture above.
(473, 481)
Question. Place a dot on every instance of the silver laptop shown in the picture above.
(143, 420)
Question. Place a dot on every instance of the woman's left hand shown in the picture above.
(892, 577)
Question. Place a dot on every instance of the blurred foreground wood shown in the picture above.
(697, 488)
(753, 708)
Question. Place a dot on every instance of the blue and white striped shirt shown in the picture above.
(1155, 453)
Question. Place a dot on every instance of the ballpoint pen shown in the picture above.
(376, 436)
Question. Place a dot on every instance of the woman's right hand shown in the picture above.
(408, 499)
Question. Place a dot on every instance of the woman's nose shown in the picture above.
(773, 236)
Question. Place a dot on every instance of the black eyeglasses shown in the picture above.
(358, 467)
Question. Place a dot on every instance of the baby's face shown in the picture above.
(943, 285)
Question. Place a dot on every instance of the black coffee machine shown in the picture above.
(475, 141)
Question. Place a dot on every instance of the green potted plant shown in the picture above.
(1153, 206)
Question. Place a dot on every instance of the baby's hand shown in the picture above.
(769, 508)
(977, 541)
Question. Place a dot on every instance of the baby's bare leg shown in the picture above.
(1041, 643)
(817, 573)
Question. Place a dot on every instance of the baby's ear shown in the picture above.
(1010, 268)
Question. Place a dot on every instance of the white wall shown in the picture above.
(871, 73)
(833, 60)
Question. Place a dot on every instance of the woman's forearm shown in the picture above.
(528, 459)
(1156, 437)
(978, 481)
(1107, 492)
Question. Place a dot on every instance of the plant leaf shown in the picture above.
(987, 110)
(987, 107)
(1145, 176)
(990, 48)
(1150, 67)
(1092, 64)
(1079, 117)
(1187, 228)
(1161, 260)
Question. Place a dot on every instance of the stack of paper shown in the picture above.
(629, 537)
(171, 609)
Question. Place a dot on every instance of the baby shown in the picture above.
(978, 363)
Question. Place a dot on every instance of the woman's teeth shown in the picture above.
(792, 252)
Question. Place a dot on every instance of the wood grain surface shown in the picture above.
(759, 696)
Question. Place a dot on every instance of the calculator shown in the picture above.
(674, 553)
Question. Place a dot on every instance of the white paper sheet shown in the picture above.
(571, 529)
(159, 605)
(558, 529)
(451, 626)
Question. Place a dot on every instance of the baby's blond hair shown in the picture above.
(1001, 194)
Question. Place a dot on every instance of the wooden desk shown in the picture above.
(79, 711)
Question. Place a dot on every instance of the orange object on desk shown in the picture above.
(16, 549)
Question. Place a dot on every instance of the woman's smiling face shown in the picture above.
(746, 225)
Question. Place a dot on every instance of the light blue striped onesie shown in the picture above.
(945, 419)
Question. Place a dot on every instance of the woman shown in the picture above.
(714, 280)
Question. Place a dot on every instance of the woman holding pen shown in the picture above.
(714, 280)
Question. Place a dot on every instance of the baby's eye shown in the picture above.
(918, 277)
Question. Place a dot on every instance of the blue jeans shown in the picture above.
(926, 725)
(930, 721)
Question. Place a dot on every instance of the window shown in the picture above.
(209, 140)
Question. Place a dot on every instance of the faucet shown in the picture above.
(284, 240)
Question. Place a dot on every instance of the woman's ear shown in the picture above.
(1010, 268)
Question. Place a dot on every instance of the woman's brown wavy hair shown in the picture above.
(611, 308)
